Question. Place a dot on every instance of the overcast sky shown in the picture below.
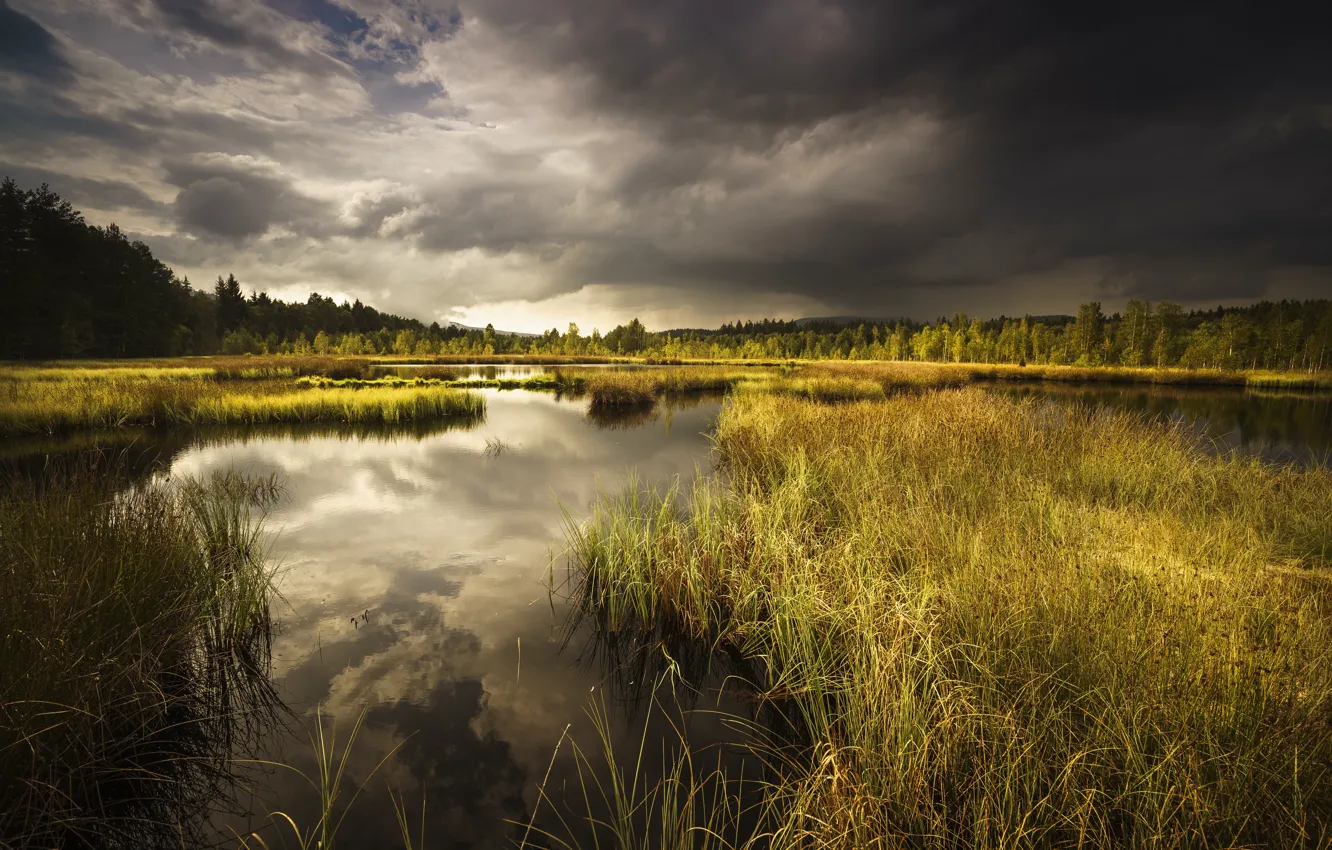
(532, 162)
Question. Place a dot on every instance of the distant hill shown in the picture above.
(460, 326)
(848, 320)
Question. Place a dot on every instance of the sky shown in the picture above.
(535, 162)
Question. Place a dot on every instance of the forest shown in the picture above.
(79, 290)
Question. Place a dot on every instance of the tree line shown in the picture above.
(1293, 335)
(76, 290)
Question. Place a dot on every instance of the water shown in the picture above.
(416, 589)
(502, 371)
(1279, 426)
(416, 593)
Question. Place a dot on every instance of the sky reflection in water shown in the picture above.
(440, 552)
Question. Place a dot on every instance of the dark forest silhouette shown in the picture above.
(76, 290)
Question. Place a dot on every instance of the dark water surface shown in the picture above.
(415, 585)
(1279, 426)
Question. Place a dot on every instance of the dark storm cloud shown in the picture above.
(875, 156)
(27, 48)
(236, 202)
(1155, 136)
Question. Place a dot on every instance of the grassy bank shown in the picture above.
(1001, 624)
(46, 406)
(905, 375)
(56, 398)
(603, 388)
(135, 634)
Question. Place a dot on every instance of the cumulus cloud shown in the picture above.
(902, 157)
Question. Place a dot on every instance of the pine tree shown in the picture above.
(231, 307)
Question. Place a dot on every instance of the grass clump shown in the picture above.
(1002, 623)
(388, 405)
(40, 406)
(897, 376)
(642, 387)
(826, 390)
(134, 634)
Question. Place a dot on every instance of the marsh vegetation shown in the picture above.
(948, 611)
(135, 647)
(51, 401)
(1001, 623)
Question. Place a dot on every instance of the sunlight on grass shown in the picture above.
(1002, 624)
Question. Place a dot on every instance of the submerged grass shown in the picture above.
(693, 804)
(1002, 623)
(134, 630)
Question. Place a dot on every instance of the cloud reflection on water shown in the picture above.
(414, 571)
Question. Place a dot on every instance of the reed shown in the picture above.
(827, 390)
(906, 375)
(642, 387)
(134, 641)
(373, 406)
(617, 800)
(330, 784)
(34, 406)
(1001, 623)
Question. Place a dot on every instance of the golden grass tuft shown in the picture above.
(50, 406)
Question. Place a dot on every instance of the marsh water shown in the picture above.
(1278, 426)
(417, 577)
(501, 371)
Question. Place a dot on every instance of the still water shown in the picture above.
(1279, 426)
(500, 371)
(416, 589)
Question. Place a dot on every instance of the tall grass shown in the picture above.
(336, 405)
(53, 406)
(642, 387)
(1002, 624)
(134, 639)
(908, 375)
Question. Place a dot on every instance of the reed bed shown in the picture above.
(68, 374)
(642, 387)
(56, 406)
(1001, 623)
(360, 406)
(908, 375)
(135, 637)
(827, 390)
